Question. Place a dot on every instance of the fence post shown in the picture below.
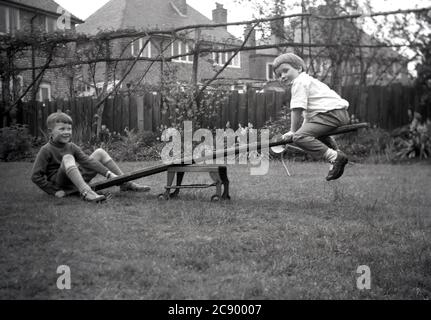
(260, 110)
(118, 114)
(140, 112)
(233, 110)
(148, 112)
(242, 114)
(251, 106)
(125, 104)
(270, 108)
(156, 111)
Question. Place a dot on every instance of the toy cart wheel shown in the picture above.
(163, 196)
(215, 198)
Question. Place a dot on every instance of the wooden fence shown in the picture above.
(385, 107)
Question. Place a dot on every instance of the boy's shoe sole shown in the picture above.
(98, 199)
(338, 167)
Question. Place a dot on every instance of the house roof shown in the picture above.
(48, 6)
(148, 14)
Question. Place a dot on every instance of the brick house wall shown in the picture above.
(55, 83)
(183, 70)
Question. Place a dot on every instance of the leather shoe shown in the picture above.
(337, 169)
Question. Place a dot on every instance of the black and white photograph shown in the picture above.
(226, 152)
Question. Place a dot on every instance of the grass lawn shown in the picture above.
(278, 238)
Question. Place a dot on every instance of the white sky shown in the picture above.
(84, 8)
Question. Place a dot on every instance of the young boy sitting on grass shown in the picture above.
(61, 165)
(323, 110)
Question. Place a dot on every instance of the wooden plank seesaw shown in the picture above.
(189, 161)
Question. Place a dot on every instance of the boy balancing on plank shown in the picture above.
(323, 110)
(61, 165)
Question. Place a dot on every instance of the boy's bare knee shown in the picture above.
(100, 155)
(102, 152)
(68, 157)
(68, 160)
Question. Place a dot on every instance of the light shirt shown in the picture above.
(314, 96)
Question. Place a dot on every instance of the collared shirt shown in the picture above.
(314, 96)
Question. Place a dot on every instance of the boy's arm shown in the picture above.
(298, 103)
(295, 119)
(295, 124)
(87, 162)
(38, 175)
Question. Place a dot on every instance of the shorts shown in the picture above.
(334, 118)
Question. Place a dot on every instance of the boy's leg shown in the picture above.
(104, 158)
(305, 138)
(320, 125)
(334, 118)
(329, 142)
(69, 172)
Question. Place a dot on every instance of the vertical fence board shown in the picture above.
(60, 105)
(279, 98)
(233, 109)
(260, 109)
(108, 114)
(125, 103)
(140, 112)
(89, 118)
(225, 113)
(270, 108)
(156, 112)
(148, 112)
(133, 114)
(52, 107)
(117, 114)
(242, 110)
(165, 115)
(251, 106)
(44, 115)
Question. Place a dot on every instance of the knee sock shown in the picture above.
(113, 167)
(330, 155)
(75, 176)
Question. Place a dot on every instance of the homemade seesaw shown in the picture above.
(181, 163)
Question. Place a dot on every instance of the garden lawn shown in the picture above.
(278, 238)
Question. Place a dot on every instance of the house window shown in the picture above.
(137, 47)
(51, 24)
(44, 92)
(15, 87)
(9, 20)
(181, 47)
(270, 71)
(221, 58)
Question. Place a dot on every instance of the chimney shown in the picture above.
(252, 39)
(220, 14)
(181, 6)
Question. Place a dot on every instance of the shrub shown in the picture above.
(131, 146)
(179, 101)
(413, 140)
(15, 143)
(365, 143)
